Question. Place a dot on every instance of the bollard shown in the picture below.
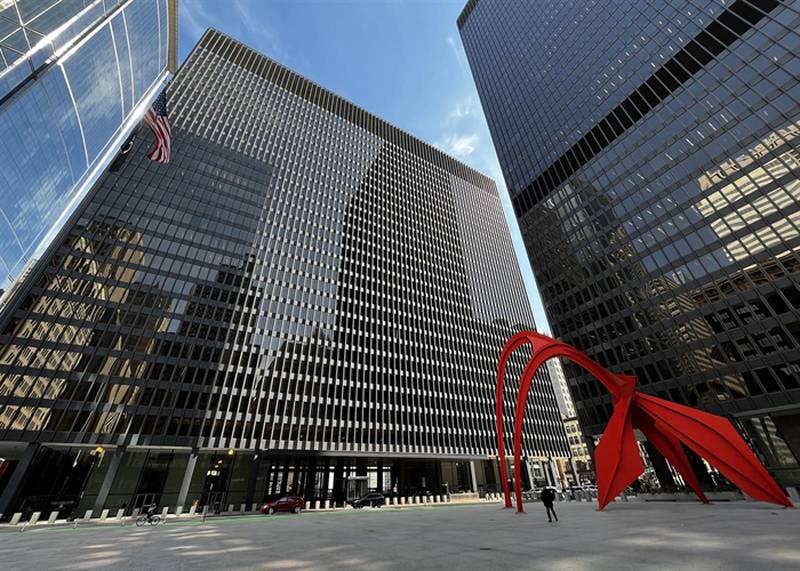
(439, 499)
(120, 514)
(32, 521)
(15, 518)
(164, 513)
(104, 515)
(254, 507)
(88, 515)
(192, 510)
(243, 508)
(327, 504)
(308, 505)
(230, 507)
(205, 513)
(178, 510)
(404, 500)
(53, 517)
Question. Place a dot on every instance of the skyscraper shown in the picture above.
(75, 78)
(306, 300)
(650, 151)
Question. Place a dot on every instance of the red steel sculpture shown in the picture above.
(665, 424)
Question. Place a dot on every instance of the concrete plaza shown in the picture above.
(633, 535)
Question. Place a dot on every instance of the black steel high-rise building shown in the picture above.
(305, 300)
(651, 153)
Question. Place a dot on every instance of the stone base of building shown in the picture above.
(70, 481)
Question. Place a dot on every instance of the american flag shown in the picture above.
(156, 119)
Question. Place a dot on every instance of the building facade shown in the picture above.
(306, 300)
(75, 79)
(651, 153)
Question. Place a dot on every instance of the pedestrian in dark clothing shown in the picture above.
(548, 496)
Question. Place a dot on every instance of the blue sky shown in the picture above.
(400, 59)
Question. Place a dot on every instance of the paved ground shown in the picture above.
(456, 538)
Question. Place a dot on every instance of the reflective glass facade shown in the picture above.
(75, 77)
(651, 153)
(302, 279)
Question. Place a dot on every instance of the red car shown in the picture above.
(288, 504)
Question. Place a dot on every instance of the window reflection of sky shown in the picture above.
(44, 162)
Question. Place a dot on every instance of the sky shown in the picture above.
(400, 59)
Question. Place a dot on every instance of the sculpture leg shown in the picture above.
(617, 458)
(515, 342)
(519, 420)
(716, 440)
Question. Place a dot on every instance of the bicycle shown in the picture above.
(153, 520)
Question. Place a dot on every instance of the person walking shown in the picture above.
(547, 496)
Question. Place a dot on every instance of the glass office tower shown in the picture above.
(306, 300)
(75, 77)
(651, 154)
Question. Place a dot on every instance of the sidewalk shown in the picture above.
(130, 520)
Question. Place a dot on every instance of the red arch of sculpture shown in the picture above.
(665, 424)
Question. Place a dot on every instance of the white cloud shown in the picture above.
(458, 54)
(461, 109)
(459, 145)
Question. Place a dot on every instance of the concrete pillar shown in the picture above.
(14, 485)
(472, 476)
(187, 477)
(551, 464)
(532, 480)
(108, 479)
(251, 482)
(574, 471)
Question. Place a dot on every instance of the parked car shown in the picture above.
(288, 504)
(372, 500)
